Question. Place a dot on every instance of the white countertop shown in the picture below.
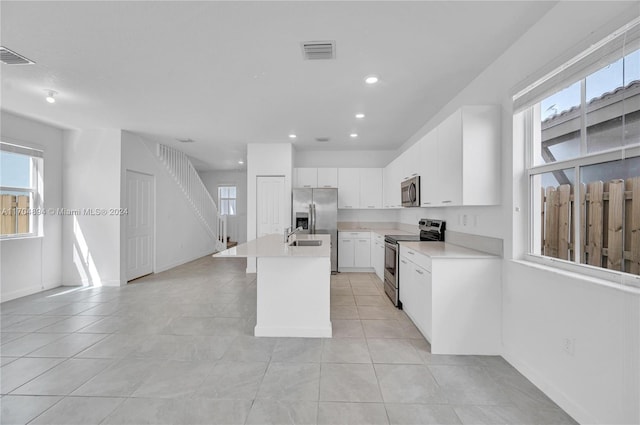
(382, 232)
(445, 250)
(273, 246)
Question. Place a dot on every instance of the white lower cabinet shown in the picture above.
(354, 251)
(377, 255)
(454, 302)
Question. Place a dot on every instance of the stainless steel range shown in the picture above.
(430, 230)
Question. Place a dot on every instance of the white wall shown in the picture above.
(91, 179)
(180, 235)
(236, 225)
(600, 382)
(34, 264)
(343, 159)
(274, 159)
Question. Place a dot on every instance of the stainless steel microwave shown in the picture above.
(411, 192)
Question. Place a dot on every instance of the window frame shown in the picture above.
(531, 125)
(235, 199)
(36, 217)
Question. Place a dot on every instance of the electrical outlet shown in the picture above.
(464, 219)
(569, 346)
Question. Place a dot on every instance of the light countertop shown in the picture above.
(273, 246)
(445, 250)
(382, 232)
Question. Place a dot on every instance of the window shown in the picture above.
(227, 200)
(584, 167)
(20, 191)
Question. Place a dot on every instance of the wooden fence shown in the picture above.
(609, 224)
(15, 217)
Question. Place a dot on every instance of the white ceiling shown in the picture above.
(229, 73)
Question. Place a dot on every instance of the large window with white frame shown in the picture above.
(21, 185)
(583, 144)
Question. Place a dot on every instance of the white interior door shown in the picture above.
(140, 228)
(271, 205)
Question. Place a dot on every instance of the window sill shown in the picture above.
(611, 279)
(21, 237)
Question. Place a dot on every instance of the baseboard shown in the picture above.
(268, 331)
(22, 293)
(356, 270)
(86, 282)
(164, 267)
(573, 409)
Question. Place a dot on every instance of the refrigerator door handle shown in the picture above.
(314, 217)
(310, 218)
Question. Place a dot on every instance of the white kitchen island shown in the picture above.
(293, 285)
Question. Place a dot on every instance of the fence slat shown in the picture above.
(594, 226)
(635, 226)
(614, 229)
(8, 221)
(564, 211)
(551, 224)
(583, 223)
(542, 223)
(22, 203)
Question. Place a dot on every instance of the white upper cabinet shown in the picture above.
(371, 188)
(428, 147)
(348, 187)
(392, 176)
(460, 159)
(306, 177)
(327, 177)
(360, 188)
(410, 162)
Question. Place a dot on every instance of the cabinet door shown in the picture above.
(371, 188)
(422, 316)
(410, 161)
(429, 178)
(377, 258)
(449, 191)
(362, 257)
(392, 179)
(346, 252)
(406, 287)
(306, 177)
(348, 188)
(327, 177)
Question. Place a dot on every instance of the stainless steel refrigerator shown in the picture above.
(316, 211)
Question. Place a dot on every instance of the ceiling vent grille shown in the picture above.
(322, 139)
(186, 140)
(318, 50)
(9, 57)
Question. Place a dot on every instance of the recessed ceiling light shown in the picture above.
(371, 79)
(241, 162)
(353, 135)
(292, 136)
(51, 96)
(359, 116)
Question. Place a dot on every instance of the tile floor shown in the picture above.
(177, 348)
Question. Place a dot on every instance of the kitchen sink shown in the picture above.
(306, 242)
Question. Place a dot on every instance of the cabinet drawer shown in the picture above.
(415, 257)
(377, 237)
(355, 235)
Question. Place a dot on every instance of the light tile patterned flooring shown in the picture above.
(177, 348)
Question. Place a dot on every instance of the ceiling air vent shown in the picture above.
(322, 139)
(186, 140)
(318, 50)
(9, 57)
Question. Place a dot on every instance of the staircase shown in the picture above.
(185, 174)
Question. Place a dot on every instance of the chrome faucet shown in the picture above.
(288, 233)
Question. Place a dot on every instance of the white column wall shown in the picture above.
(273, 159)
(35, 264)
(91, 179)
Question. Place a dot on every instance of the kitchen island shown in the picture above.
(293, 285)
